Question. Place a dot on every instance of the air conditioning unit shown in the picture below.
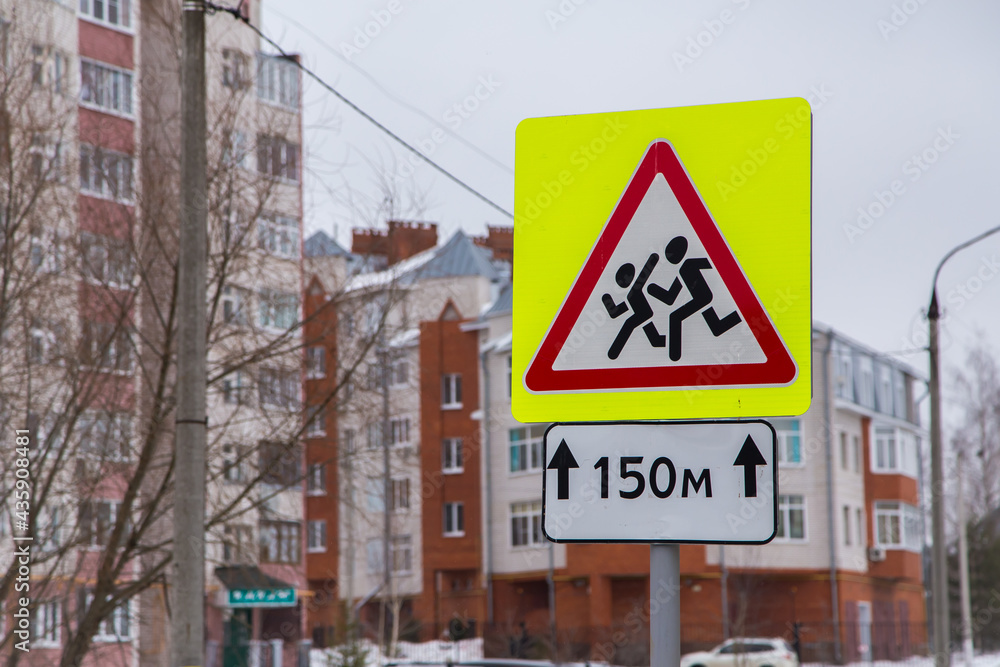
(876, 554)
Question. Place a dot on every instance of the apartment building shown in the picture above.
(399, 454)
(843, 574)
(90, 123)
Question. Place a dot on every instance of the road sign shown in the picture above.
(664, 250)
(702, 482)
(262, 597)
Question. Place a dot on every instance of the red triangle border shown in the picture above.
(778, 369)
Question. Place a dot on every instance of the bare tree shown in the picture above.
(88, 321)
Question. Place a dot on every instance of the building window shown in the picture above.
(105, 173)
(315, 362)
(278, 387)
(235, 389)
(374, 494)
(278, 235)
(105, 345)
(526, 448)
(278, 310)
(859, 525)
(400, 499)
(235, 69)
(374, 556)
(116, 626)
(847, 525)
(279, 464)
(401, 372)
(106, 260)
(791, 518)
(46, 630)
(401, 553)
(316, 479)
(113, 12)
(96, 520)
(47, 251)
(105, 87)
(279, 541)
(49, 68)
(897, 525)
(454, 519)
(277, 157)
(316, 421)
(48, 529)
(374, 435)
(105, 435)
(316, 536)
(399, 431)
(451, 391)
(451, 456)
(237, 544)
(789, 433)
(856, 453)
(884, 393)
(235, 149)
(865, 382)
(46, 158)
(843, 372)
(843, 451)
(278, 80)
(234, 463)
(348, 439)
(234, 305)
(526, 524)
(895, 451)
(510, 375)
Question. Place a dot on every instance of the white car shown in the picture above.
(745, 652)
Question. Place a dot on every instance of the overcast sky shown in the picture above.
(888, 80)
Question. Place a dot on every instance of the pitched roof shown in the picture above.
(503, 304)
(321, 245)
(460, 257)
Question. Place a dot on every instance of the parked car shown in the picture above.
(745, 652)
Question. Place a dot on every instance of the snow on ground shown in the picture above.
(434, 651)
(472, 649)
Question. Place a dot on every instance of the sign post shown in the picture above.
(668, 257)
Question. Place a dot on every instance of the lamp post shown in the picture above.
(939, 552)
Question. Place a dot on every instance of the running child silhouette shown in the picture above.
(641, 310)
(689, 276)
(701, 295)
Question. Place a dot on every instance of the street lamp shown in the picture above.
(939, 552)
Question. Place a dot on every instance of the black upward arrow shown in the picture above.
(562, 461)
(749, 457)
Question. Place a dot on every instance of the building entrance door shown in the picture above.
(236, 649)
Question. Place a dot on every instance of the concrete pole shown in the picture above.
(939, 553)
(664, 605)
(963, 565)
(187, 626)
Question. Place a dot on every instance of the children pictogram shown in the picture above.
(701, 296)
(641, 310)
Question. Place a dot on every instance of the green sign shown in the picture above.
(262, 597)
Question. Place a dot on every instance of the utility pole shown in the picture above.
(384, 371)
(187, 625)
(939, 551)
(963, 565)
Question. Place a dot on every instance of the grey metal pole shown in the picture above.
(963, 565)
(187, 625)
(664, 605)
(939, 554)
(725, 591)
(387, 598)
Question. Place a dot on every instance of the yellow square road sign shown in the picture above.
(662, 263)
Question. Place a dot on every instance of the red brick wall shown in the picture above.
(400, 241)
(445, 349)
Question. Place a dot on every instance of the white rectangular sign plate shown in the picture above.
(706, 482)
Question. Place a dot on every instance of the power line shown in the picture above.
(235, 12)
(388, 93)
